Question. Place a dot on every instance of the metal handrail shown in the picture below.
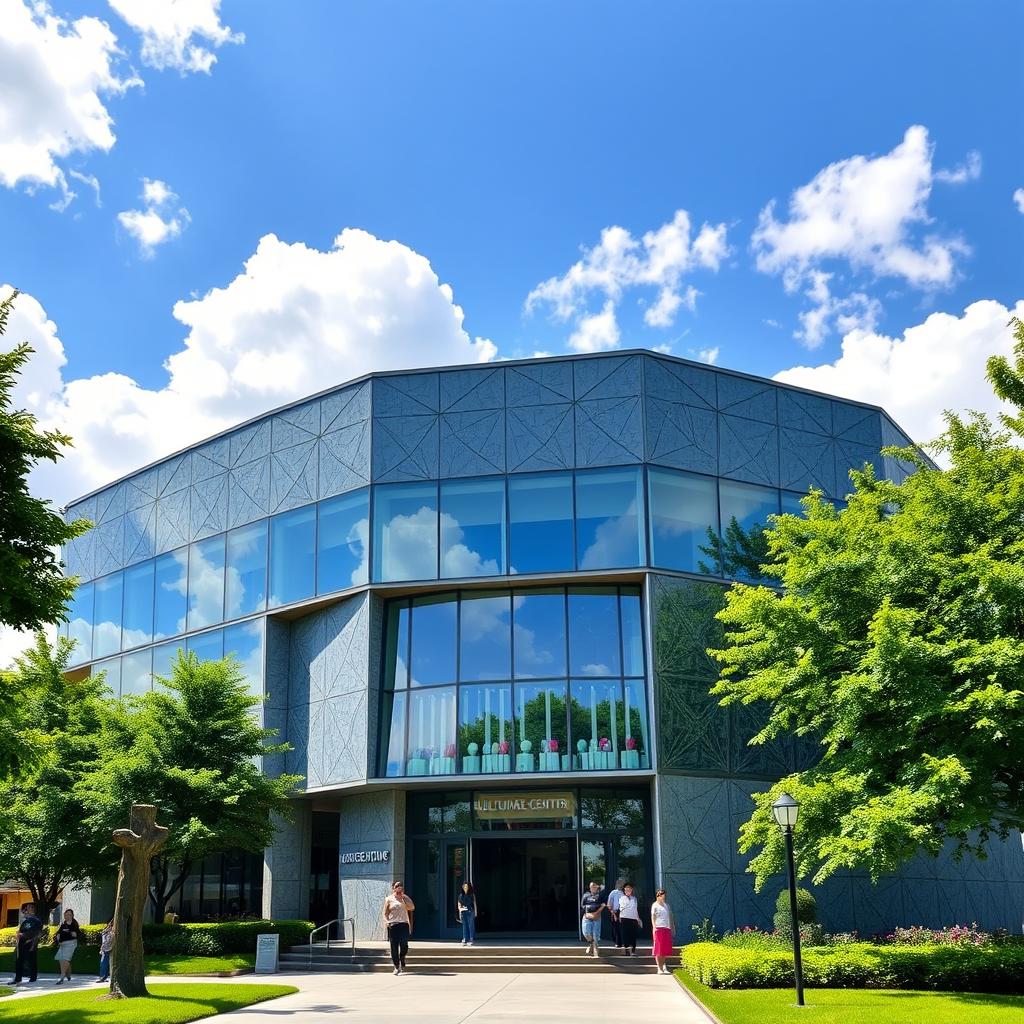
(337, 921)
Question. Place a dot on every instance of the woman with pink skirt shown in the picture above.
(663, 926)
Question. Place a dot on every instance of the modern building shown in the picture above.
(478, 602)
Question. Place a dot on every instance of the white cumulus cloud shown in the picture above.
(178, 34)
(658, 260)
(294, 321)
(55, 75)
(935, 365)
(1018, 198)
(871, 215)
(161, 218)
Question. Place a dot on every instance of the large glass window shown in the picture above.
(477, 640)
(432, 749)
(244, 641)
(292, 555)
(106, 633)
(434, 640)
(206, 582)
(111, 670)
(472, 528)
(137, 672)
(80, 623)
(343, 542)
(683, 508)
(609, 517)
(539, 633)
(745, 509)
(541, 727)
(137, 621)
(485, 729)
(485, 648)
(405, 532)
(540, 522)
(594, 632)
(207, 646)
(170, 594)
(245, 587)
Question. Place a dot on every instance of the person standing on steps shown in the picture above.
(26, 955)
(663, 927)
(66, 941)
(592, 906)
(398, 923)
(613, 911)
(629, 919)
(466, 904)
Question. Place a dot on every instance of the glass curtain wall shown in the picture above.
(527, 681)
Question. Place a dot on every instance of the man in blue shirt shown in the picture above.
(26, 955)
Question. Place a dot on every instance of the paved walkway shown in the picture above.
(449, 998)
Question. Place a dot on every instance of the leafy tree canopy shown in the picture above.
(33, 592)
(44, 844)
(895, 637)
(192, 747)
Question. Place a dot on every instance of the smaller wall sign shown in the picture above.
(366, 857)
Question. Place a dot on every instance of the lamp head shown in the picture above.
(785, 811)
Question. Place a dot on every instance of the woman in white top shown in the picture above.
(663, 925)
(396, 911)
(629, 919)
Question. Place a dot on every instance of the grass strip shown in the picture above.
(87, 961)
(165, 1004)
(854, 1006)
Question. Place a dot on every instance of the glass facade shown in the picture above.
(505, 681)
(552, 522)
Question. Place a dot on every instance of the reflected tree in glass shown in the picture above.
(598, 724)
(432, 748)
(540, 711)
(485, 729)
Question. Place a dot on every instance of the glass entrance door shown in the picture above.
(525, 886)
(456, 861)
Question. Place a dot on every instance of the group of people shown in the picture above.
(624, 916)
(621, 905)
(66, 938)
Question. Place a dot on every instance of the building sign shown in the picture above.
(518, 806)
(366, 857)
(267, 953)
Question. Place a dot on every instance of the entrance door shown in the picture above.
(456, 862)
(525, 885)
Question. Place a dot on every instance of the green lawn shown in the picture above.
(5, 991)
(854, 1006)
(87, 961)
(166, 1004)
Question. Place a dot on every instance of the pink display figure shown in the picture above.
(553, 745)
(630, 743)
(503, 747)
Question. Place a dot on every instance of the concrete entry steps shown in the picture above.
(453, 958)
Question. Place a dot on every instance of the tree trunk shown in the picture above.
(138, 844)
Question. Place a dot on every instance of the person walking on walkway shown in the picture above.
(629, 919)
(397, 908)
(26, 954)
(106, 945)
(663, 927)
(466, 904)
(592, 906)
(66, 941)
(613, 911)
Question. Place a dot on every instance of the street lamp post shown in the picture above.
(785, 811)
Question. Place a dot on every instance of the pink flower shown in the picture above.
(630, 743)
(552, 745)
(449, 751)
(604, 743)
(503, 747)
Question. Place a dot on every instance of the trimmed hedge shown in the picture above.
(200, 939)
(996, 967)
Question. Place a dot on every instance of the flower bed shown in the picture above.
(993, 966)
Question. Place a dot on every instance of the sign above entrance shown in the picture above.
(512, 805)
(366, 857)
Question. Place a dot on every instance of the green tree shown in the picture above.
(44, 844)
(896, 639)
(192, 747)
(33, 591)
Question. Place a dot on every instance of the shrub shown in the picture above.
(216, 937)
(90, 935)
(754, 938)
(705, 931)
(995, 967)
(806, 912)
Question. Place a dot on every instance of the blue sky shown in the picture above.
(494, 143)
